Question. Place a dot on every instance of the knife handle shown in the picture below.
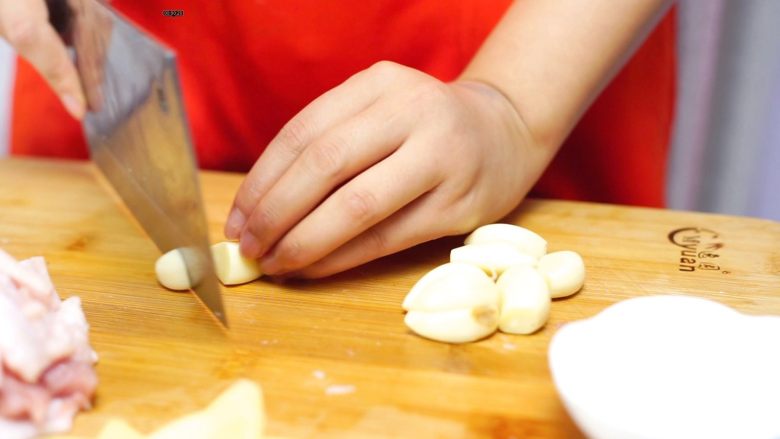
(61, 18)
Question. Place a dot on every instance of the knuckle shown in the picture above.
(384, 66)
(291, 252)
(248, 194)
(386, 71)
(361, 206)
(58, 72)
(263, 218)
(26, 36)
(326, 158)
(292, 137)
(22, 33)
(433, 92)
(377, 240)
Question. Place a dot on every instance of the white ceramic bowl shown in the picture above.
(670, 367)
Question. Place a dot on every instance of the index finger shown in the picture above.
(25, 24)
(335, 106)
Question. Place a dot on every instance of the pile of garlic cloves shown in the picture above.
(501, 279)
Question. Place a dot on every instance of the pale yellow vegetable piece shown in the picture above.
(564, 272)
(454, 326)
(525, 300)
(172, 271)
(492, 257)
(117, 428)
(238, 413)
(523, 239)
(452, 286)
(232, 267)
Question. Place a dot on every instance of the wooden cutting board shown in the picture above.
(333, 356)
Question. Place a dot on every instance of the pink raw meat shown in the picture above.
(46, 363)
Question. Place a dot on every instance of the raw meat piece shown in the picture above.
(46, 363)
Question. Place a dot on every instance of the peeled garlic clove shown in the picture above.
(454, 326)
(172, 271)
(233, 268)
(525, 300)
(525, 240)
(455, 285)
(492, 257)
(564, 271)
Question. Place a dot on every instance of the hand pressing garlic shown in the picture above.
(453, 303)
(564, 272)
(525, 300)
(523, 239)
(492, 257)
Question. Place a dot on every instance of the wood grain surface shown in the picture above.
(333, 356)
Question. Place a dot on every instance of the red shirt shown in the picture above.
(248, 66)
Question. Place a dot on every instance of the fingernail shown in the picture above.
(234, 224)
(249, 245)
(73, 106)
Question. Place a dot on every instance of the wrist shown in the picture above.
(539, 130)
(515, 114)
(497, 106)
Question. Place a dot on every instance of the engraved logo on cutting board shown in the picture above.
(699, 249)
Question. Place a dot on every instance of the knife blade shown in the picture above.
(138, 133)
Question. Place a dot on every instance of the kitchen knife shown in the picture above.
(138, 133)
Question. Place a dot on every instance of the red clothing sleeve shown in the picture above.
(248, 67)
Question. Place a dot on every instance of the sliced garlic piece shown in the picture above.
(564, 271)
(455, 285)
(233, 268)
(525, 240)
(525, 300)
(454, 326)
(172, 271)
(492, 257)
